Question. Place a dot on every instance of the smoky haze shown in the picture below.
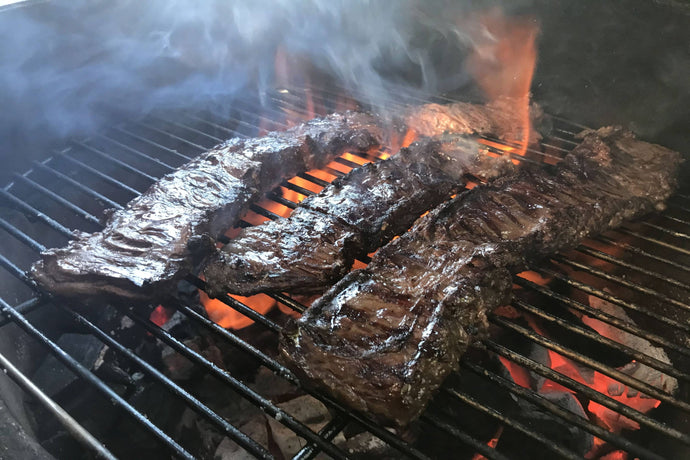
(62, 62)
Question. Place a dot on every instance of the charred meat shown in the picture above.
(144, 249)
(497, 118)
(384, 338)
(356, 214)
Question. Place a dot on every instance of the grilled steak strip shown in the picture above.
(497, 118)
(384, 338)
(356, 214)
(359, 213)
(144, 249)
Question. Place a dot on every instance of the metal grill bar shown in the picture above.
(602, 316)
(624, 230)
(150, 127)
(94, 381)
(557, 410)
(337, 424)
(10, 266)
(641, 252)
(188, 128)
(481, 448)
(329, 431)
(88, 191)
(21, 236)
(154, 144)
(231, 431)
(154, 161)
(512, 423)
(78, 431)
(110, 159)
(58, 199)
(615, 300)
(33, 212)
(666, 230)
(594, 395)
(637, 355)
(596, 365)
(266, 405)
(100, 175)
(622, 282)
(237, 305)
(198, 119)
(24, 308)
(616, 261)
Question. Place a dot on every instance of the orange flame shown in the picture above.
(503, 63)
(397, 141)
(228, 317)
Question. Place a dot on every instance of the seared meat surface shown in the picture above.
(384, 338)
(353, 216)
(497, 118)
(144, 249)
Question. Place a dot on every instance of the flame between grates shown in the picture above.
(589, 360)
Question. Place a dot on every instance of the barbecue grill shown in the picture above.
(482, 411)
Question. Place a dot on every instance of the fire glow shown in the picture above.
(599, 414)
(503, 63)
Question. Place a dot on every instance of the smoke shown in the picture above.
(63, 62)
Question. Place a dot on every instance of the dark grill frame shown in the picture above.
(144, 166)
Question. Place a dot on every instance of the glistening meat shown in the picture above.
(147, 247)
(384, 338)
(144, 249)
(355, 215)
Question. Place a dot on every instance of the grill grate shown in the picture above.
(76, 185)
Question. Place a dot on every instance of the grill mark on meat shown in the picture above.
(144, 249)
(364, 210)
(436, 283)
(367, 207)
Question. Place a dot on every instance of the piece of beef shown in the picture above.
(353, 216)
(498, 118)
(143, 250)
(384, 338)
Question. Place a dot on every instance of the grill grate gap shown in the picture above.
(167, 143)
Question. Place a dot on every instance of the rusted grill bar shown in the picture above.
(172, 132)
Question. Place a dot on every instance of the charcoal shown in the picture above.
(53, 376)
(384, 338)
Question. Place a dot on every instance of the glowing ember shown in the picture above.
(602, 416)
(354, 158)
(160, 315)
(493, 442)
(291, 195)
(535, 277)
(518, 373)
